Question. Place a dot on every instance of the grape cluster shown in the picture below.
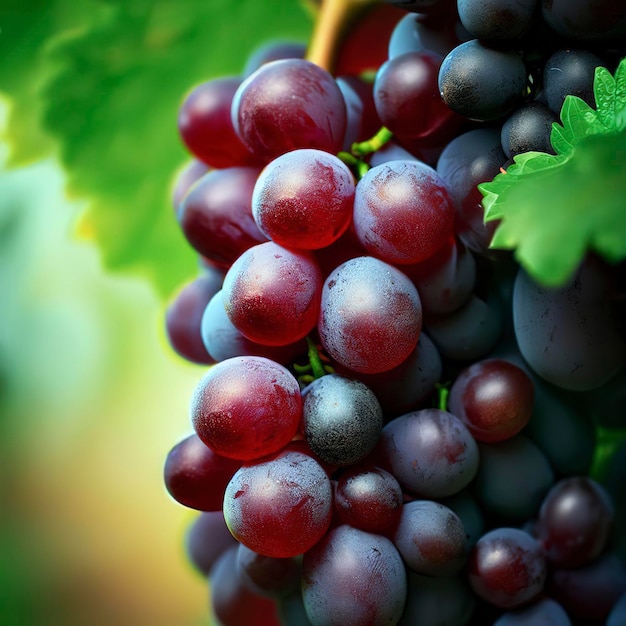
(398, 425)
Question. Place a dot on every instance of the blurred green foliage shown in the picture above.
(100, 83)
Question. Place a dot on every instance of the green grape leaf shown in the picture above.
(111, 103)
(553, 209)
(26, 28)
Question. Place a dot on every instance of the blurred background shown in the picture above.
(91, 397)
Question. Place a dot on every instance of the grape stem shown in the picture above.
(317, 367)
(375, 143)
(442, 396)
(330, 25)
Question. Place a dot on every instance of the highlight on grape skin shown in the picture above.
(279, 507)
(246, 407)
(303, 199)
(289, 104)
(403, 212)
(371, 315)
(272, 295)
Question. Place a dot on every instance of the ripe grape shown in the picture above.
(591, 591)
(572, 336)
(497, 20)
(494, 398)
(402, 212)
(342, 419)
(368, 498)
(205, 124)
(575, 521)
(196, 476)
(184, 315)
(469, 89)
(303, 199)
(289, 104)
(431, 538)
(353, 578)
(267, 575)
(216, 215)
(370, 315)
(207, 538)
(280, 507)
(513, 478)
(246, 407)
(430, 452)
(406, 85)
(223, 340)
(233, 602)
(507, 568)
(272, 295)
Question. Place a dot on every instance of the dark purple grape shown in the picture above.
(417, 33)
(513, 478)
(216, 215)
(431, 538)
(407, 96)
(353, 578)
(411, 384)
(572, 336)
(205, 125)
(195, 476)
(570, 72)
(446, 279)
(368, 498)
(341, 418)
(494, 398)
(233, 602)
(192, 171)
(497, 20)
(289, 104)
(507, 568)
(575, 521)
(528, 129)
(370, 315)
(589, 592)
(471, 158)
(430, 452)
(267, 575)
(466, 507)
(280, 507)
(586, 20)
(207, 539)
(469, 332)
(441, 601)
(183, 318)
(362, 119)
(544, 611)
(563, 430)
(482, 83)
